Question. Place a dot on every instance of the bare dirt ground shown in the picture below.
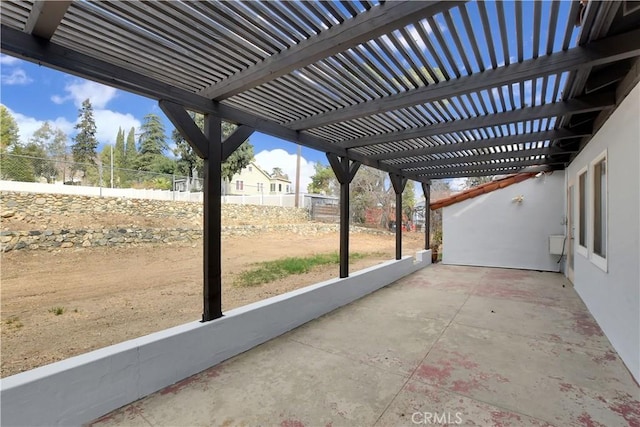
(110, 295)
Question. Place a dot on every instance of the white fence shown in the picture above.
(284, 200)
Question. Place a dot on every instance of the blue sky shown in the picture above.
(35, 94)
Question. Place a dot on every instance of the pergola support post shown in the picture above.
(212, 227)
(209, 146)
(345, 170)
(398, 182)
(426, 189)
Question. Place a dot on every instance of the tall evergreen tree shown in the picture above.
(130, 151)
(152, 145)
(119, 150)
(85, 142)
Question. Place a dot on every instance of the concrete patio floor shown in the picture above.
(457, 345)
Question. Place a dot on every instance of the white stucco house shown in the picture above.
(583, 221)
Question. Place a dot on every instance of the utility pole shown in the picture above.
(111, 165)
(297, 202)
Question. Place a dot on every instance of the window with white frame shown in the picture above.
(239, 185)
(598, 224)
(581, 222)
(273, 188)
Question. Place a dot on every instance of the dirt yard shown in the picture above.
(63, 303)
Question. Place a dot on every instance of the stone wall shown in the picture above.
(237, 220)
(76, 238)
(38, 204)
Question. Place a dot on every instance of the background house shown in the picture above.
(253, 180)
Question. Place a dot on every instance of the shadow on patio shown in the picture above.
(458, 345)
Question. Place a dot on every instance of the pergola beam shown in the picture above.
(183, 122)
(45, 17)
(552, 135)
(608, 50)
(235, 140)
(483, 157)
(486, 169)
(589, 103)
(379, 20)
(491, 172)
(33, 49)
(29, 48)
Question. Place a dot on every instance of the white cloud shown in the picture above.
(28, 125)
(79, 90)
(17, 77)
(8, 60)
(108, 122)
(278, 158)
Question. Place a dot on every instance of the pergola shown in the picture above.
(419, 89)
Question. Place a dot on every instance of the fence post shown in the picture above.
(100, 175)
(173, 186)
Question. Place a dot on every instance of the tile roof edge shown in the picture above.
(485, 188)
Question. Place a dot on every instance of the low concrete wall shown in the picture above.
(79, 190)
(82, 388)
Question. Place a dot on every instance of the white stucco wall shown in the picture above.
(613, 297)
(492, 230)
(77, 390)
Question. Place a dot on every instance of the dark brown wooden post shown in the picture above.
(212, 227)
(426, 189)
(344, 171)
(398, 183)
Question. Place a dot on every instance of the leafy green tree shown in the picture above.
(409, 200)
(130, 151)
(239, 159)
(8, 129)
(45, 141)
(323, 181)
(85, 141)
(188, 161)
(12, 165)
(369, 190)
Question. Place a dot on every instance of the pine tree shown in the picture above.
(152, 145)
(84, 148)
(12, 167)
(130, 151)
(119, 150)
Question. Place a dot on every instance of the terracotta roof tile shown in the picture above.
(480, 189)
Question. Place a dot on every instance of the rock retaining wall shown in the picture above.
(238, 220)
(37, 204)
(85, 238)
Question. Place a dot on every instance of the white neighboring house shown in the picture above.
(253, 180)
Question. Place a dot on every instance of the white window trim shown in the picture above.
(582, 250)
(596, 259)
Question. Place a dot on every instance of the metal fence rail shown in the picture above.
(14, 167)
